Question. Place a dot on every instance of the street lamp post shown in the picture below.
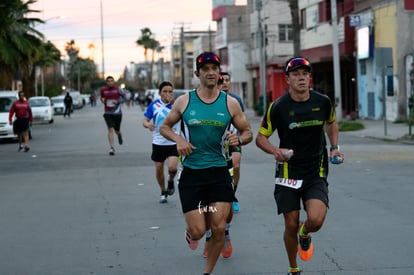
(262, 65)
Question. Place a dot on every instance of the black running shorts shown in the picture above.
(161, 152)
(288, 199)
(199, 187)
(21, 125)
(113, 121)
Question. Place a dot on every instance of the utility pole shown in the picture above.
(102, 43)
(182, 59)
(42, 79)
(210, 46)
(262, 65)
(79, 86)
(409, 9)
(336, 60)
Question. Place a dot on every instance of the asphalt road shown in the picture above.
(67, 207)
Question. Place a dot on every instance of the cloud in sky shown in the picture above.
(80, 20)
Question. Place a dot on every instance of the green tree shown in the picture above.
(20, 44)
(80, 70)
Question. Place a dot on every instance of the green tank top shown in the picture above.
(204, 125)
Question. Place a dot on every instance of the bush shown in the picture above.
(350, 126)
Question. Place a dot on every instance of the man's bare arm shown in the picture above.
(183, 147)
(240, 122)
(332, 130)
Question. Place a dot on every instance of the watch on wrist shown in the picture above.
(334, 147)
(240, 141)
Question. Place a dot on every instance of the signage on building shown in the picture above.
(365, 43)
(354, 21)
(218, 3)
(409, 5)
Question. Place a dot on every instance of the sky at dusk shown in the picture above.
(80, 20)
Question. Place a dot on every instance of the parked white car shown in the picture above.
(58, 104)
(42, 109)
(6, 100)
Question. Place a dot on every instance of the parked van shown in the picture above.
(6, 100)
(77, 102)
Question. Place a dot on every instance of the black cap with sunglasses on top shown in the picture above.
(207, 57)
(297, 62)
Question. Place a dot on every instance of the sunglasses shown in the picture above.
(299, 61)
(220, 79)
(208, 57)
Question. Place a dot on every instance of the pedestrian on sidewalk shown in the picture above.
(162, 149)
(300, 118)
(205, 185)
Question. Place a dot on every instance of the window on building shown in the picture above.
(250, 5)
(363, 66)
(303, 19)
(219, 24)
(224, 56)
(285, 32)
(253, 37)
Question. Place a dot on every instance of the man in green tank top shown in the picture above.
(205, 185)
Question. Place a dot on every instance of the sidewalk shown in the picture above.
(385, 130)
(373, 129)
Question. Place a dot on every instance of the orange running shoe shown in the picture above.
(227, 248)
(305, 248)
(205, 251)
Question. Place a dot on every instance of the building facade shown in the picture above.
(270, 30)
(232, 45)
(385, 56)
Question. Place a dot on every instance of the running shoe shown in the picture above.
(192, 244)
(112, 151)
(120, 140)
(236, 207)
(26, 149)
(20, 147)
(170, 188)
(163, 197)
(294, 273)
(205, 250)
(305, 248)
(227, 249)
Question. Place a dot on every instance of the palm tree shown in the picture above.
(20, 44)
(49, 56)
(147, 41)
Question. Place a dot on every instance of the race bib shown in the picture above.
(110, 103)
(291, 183)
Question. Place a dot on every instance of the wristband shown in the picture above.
(334, 147)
